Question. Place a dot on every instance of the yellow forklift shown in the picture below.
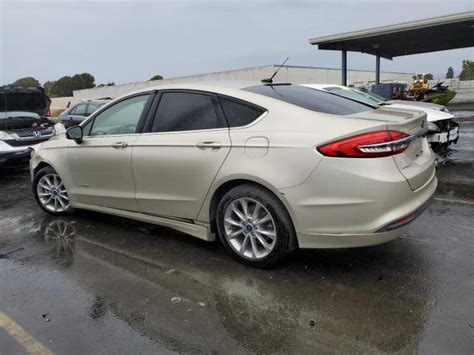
(419, 90)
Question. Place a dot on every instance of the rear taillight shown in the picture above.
(367, 145)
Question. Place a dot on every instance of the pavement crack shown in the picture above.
(4, 255)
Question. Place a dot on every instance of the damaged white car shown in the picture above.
(443, 130)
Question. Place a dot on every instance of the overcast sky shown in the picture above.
(127, 41)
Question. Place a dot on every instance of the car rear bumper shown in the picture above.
(367, 206)
(333, 241)
(449, 135)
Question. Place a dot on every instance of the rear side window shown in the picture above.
(239, 113)
(310, 99)
(182, 111)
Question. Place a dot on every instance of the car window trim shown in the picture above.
(141, 120)
(253, 123)
(156, 103)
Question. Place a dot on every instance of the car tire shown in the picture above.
(265, 236)
(50, 192)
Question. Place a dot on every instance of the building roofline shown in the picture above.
(400, 27)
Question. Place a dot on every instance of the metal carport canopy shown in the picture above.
(422, 36)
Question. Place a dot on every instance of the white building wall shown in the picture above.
(293, 74)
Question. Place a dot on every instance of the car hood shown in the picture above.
(431, 115)
(14, 98)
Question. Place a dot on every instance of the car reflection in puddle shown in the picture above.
(178, 290)
(60, 235)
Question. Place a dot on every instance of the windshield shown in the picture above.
(355, 95)
(381, 98)
(310, 99)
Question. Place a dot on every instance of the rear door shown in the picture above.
(176, 161)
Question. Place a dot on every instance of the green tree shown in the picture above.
(66, 85)
(450, 73)
(156, 77)
(429, 76)
(82, 81)
(27, 81)
(467, 72)
(47, 86)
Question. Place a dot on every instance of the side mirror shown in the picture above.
(75, 133)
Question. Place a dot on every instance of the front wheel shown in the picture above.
(254, 226)
(50, 192)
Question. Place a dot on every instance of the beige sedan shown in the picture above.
(265, 167)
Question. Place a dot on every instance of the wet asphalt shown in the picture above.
(92, 283)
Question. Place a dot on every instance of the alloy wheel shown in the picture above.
(52, 193)
(249, 228)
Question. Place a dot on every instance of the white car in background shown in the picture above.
(442, 129)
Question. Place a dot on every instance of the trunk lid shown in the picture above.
(416, 163)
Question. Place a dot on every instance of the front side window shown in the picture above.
(182, 111)
(239, 113)
(91, 108)
(79, 110)
(121, 118)
(311, 99)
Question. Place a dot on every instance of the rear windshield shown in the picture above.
(355, 95)
(310, 99)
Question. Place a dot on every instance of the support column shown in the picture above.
(377, 69)
(344, 68)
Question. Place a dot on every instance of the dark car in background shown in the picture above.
(77, 113)
(23, 122)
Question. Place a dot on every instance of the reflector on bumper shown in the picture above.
(406, 219)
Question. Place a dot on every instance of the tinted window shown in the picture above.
(238, 113)
(179, 111)
(121, 118)
(310, 99)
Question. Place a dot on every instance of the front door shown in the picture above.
(101, 166)
(175, 163)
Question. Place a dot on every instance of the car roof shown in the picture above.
(92, 102)
(219, 86)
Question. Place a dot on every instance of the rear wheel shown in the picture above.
(254, 226)
(50, 192)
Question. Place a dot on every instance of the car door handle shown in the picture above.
(119, 145)
(210, 145)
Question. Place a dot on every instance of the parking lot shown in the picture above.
(92, 282)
